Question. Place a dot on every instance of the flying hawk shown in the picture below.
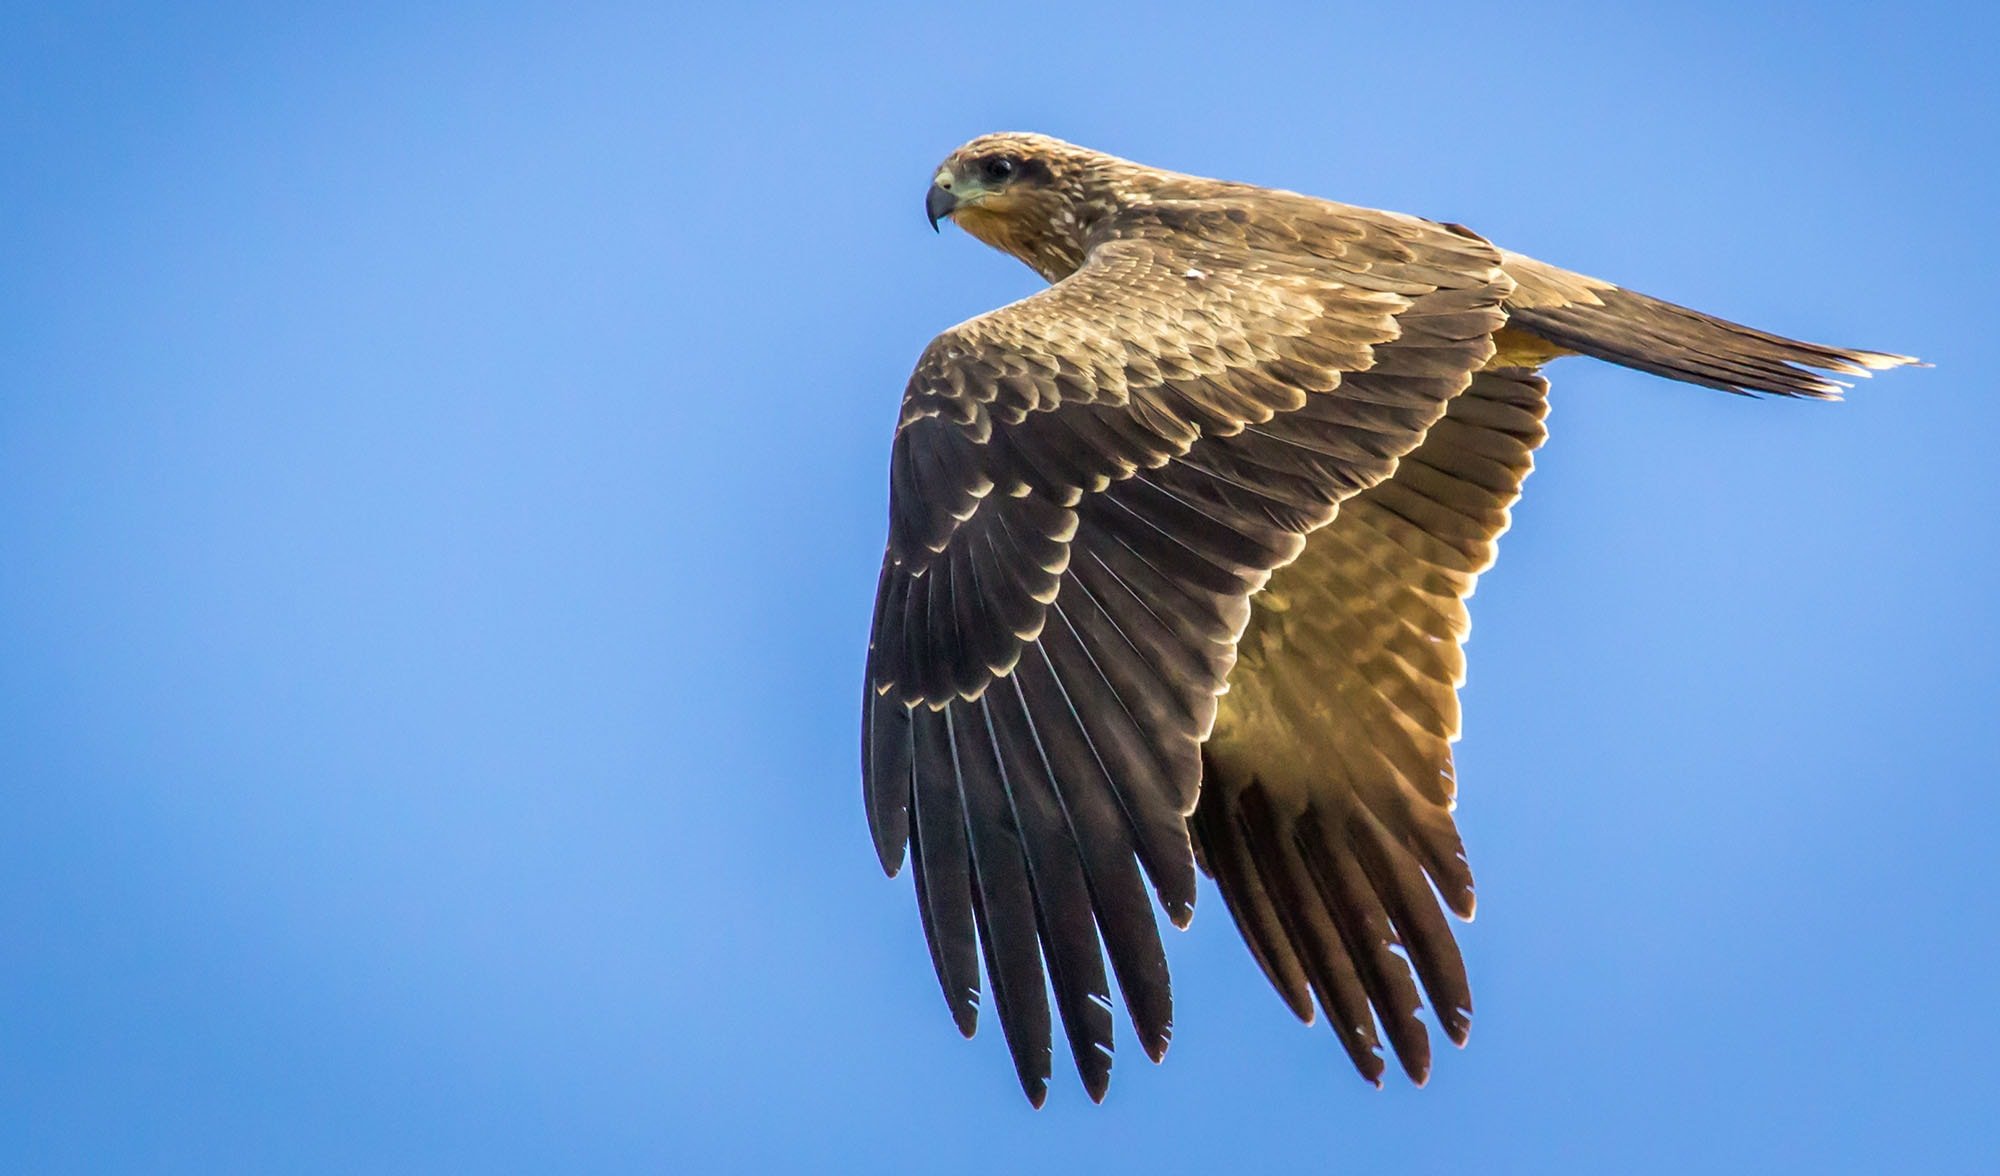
(1178, 555)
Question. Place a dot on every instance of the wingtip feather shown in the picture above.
(890, 851)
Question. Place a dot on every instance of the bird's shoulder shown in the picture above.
(1199, 276)
(1258, 225)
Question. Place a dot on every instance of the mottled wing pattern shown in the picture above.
(1325, 816)
(1086, 488)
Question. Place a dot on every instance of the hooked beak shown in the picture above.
(938, 204)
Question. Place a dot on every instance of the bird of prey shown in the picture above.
(1178, 555)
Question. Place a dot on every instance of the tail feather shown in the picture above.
(1606, 322)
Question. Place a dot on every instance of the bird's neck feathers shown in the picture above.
(1051, 242)
(1052, 229)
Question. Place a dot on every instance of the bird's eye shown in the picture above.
(998, 168)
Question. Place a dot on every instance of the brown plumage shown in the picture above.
(1178, 557)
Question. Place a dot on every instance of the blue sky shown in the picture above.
(442, 466)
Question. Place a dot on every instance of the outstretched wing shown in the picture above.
(1325, 816)
(1086, 488)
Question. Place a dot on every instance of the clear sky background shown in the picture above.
(442, 468)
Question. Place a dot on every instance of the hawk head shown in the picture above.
(1028, 195)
